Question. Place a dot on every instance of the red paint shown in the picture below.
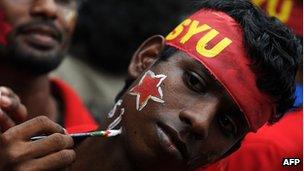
(107, 133)
(148, 88)
(5, 29)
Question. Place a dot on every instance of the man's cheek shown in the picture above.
(148, 90)
(5, 29)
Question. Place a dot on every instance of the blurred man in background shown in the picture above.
(34, 36)
(37, 38)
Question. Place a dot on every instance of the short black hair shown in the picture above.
(274, 51)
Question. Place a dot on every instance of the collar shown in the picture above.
(76, 116)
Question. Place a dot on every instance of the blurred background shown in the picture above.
(109, 31)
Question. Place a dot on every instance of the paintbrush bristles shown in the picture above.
(113, 133)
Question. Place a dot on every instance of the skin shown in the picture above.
(10, 105)
(34, 89)
(197, 110)
(41, 49)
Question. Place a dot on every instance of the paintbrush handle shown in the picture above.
(107, 133)
(74, 136)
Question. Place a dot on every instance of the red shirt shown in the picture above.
(265, 150)
(76, 116)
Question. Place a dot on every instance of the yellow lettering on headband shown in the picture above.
(177, 31)
(194, 29)
(210, 53)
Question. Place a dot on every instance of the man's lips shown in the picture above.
(42, 36)
(173, 140)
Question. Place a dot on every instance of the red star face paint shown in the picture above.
(5, 29)
(147, 89)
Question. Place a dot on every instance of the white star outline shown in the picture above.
(156, 99)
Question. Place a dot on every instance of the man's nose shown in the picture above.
(199, 118)
(44, 8)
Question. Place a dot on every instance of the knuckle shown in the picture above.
(5, 139)
(42, 121)
(8, 89)
(58, 140)
(45, 122)
(5, 89)
(69, 141)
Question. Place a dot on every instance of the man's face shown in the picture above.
(188, 121)
(41, 30)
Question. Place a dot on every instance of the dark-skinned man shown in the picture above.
(34, 36)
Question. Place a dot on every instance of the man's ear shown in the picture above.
(146, 55)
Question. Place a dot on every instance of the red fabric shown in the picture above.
(290, 12)
(215, 39)
(5, 28)
(76, 116)
(265, 150)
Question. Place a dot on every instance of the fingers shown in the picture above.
(52, 161)
(11, 104)
(37, 126)
(50, 144)
(18, 152)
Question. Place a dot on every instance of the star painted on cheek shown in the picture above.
(148, 88)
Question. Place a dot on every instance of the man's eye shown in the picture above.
(227, 125)
(195, 82)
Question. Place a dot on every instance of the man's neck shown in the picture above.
(33, 90)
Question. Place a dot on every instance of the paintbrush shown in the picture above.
(107, 133)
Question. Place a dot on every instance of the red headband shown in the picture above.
(215, 39)
(5, 29)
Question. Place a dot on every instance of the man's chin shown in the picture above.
(34, 60)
